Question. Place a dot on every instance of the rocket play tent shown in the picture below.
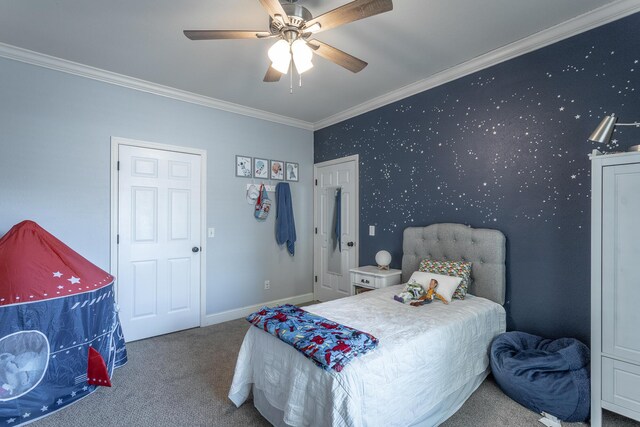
(60, 335)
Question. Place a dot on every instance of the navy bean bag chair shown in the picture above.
(544, 375)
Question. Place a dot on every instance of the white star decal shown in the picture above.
(59, 401)
(26, 415)
(73, 394)
(614, 141)
(561, 108)
(573, 176)
(577, 116)
(85, 388)
(57, 274)
(44, 408)
(60, 287)
(11, 420)
(74, 280)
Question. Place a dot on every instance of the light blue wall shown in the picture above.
(55, 131)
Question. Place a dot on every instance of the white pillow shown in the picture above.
(447, 285)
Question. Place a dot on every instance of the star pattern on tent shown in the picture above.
(44, 408)
(26, 415)
(11, 420)
(74, 280)
(59, 401)
(57, 274)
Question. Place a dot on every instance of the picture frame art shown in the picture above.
(291, 171)
(277, 170)
(260, 168)
(243, 166)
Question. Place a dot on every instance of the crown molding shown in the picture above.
(615, 10)
(58, 64)
(597, 17)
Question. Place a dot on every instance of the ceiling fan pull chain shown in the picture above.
(291, 78)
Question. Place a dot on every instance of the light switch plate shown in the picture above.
(211, 232)
(372, 230)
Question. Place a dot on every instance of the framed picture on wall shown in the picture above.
(291, 171)
(243, 166)
(260, 168)
(277, 170)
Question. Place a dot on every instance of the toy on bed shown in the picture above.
(424, 287)
(430, 295)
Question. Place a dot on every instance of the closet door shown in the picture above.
(621, 261)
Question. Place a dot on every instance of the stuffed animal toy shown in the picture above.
(412, 291)
(429, 295)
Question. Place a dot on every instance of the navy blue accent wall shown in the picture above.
(503, 148)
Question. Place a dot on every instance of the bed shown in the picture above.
(429, 359)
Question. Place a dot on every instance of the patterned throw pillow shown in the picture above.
(460, 269)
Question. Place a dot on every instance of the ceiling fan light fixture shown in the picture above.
(302, 55)
(280, 56)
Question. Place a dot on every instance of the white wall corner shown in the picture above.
(238, 313)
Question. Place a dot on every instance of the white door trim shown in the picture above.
(355, 158)
(113, 262)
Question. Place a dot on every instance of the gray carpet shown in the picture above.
(182, 379)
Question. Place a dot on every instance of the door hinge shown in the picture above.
(117, 239)
(118, 165)
(316, 279)
(316, 230)
(316, 182)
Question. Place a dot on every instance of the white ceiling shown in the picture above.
(143, 39)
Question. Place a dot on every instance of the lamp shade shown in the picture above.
(302, 55)
(383, 259)
(603, 132)
(280, 56)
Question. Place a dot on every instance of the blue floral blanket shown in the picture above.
(328, 344)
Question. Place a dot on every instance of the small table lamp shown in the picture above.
(383, 259)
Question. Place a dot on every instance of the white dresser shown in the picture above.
(615, 285)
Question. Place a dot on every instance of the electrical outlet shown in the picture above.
(372, 230)
(267, 284)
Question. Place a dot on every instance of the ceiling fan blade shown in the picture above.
(275, 10)
(337, 56)
(350, 12)
(224, 34)
(272, 75)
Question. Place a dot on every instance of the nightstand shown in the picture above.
(369, 277)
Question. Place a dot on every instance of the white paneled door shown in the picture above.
(336, 227)
(159, 249)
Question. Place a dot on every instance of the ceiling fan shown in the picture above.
(294, 26)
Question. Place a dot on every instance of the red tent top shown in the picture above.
(35, 266)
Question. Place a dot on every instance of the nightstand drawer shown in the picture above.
(621, 384)
(369, 276)
(364, 280)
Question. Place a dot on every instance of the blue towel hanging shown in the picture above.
(338, 230)
(285, 224)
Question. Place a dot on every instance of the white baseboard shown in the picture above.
(238, 313)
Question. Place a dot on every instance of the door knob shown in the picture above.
(350, 244)
(195, 249)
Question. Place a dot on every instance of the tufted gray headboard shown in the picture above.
(456, 242)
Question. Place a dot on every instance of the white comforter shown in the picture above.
(424, 354)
